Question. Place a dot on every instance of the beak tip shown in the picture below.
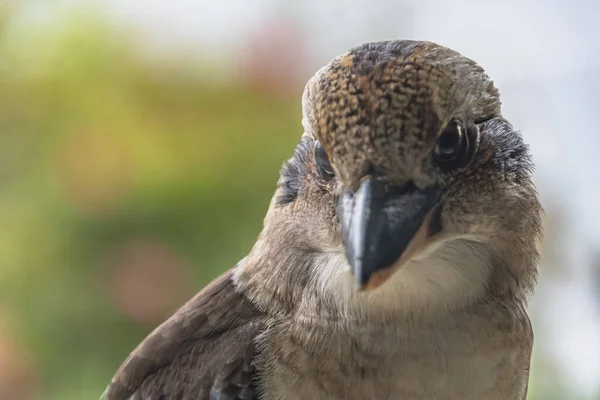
(379, 223)
(361, 276)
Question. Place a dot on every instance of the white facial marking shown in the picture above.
(444, 275)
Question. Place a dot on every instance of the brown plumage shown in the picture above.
(408, 184)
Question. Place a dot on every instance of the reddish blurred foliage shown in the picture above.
(17, 381)
(275, 58)
(148, 281)
(94, 170)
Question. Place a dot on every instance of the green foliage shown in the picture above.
(100, 150)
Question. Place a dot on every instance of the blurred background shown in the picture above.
(140, 143)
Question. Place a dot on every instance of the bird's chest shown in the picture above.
(386, 364)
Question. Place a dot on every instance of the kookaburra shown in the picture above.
(396, 258)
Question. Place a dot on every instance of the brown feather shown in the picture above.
(205, 349)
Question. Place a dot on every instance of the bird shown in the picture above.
(397, 255)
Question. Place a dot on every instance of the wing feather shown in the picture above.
(204, 351)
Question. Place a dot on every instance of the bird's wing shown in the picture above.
(204, 351)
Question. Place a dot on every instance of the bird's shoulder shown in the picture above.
(204, 351)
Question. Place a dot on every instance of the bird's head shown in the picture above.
(408, 178)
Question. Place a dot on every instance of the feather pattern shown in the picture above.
(204, 351)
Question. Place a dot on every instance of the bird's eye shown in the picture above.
(452, 147)
(322, 161)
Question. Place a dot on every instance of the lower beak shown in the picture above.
(383, 226)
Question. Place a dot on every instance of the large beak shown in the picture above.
(383, 226)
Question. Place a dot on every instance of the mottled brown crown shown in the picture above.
(390, 100)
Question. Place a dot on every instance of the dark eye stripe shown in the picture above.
(322, 160)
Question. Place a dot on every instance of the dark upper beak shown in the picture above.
(382, 224)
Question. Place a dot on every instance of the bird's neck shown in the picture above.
(317, 286)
